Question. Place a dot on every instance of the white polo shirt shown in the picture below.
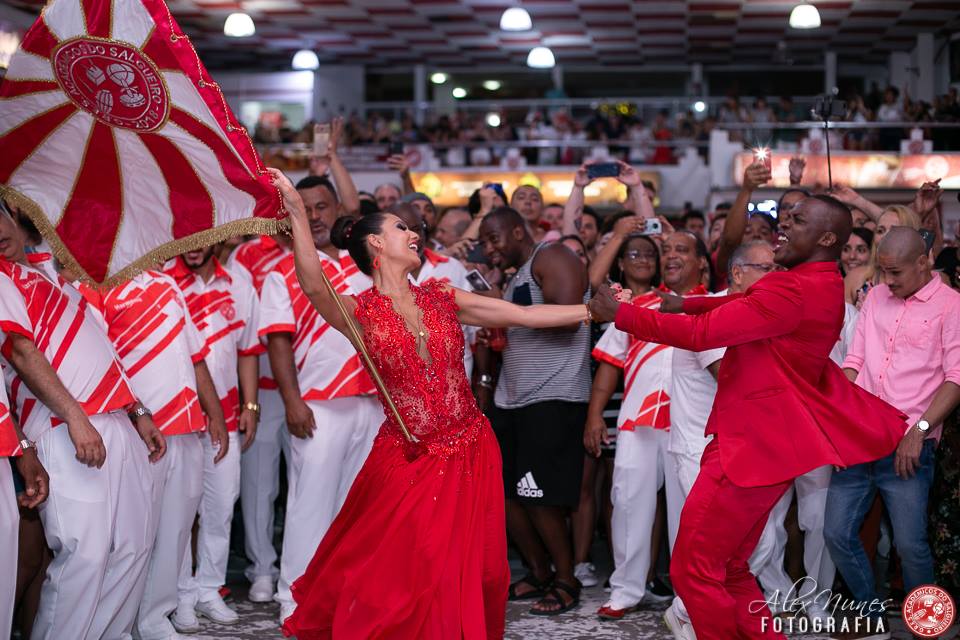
(37, 304)
(327, 364)
(158, 344)
(225, 314)
(437, 267)
(693, 392)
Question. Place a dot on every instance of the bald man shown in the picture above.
(906, 350)
(782, 409)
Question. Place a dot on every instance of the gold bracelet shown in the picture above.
(589, 318)
(253, 406)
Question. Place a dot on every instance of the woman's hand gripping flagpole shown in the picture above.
(325, 298)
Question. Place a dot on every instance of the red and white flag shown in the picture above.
(118, 144)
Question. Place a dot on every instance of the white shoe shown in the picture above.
(286, 610)
(681, 629)
(184, 619)
(261, 590)
(216, 611)
(586, 573)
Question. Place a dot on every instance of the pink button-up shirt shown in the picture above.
(905, 349)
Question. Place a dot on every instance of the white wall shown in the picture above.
(339, 90)
(289, 86)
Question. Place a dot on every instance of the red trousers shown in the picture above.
(719, 529)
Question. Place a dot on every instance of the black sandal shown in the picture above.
(553, 595)
(539, 588)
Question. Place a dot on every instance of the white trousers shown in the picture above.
(178, 479)
(99, 524)
(9, 539)
(322, 469)
(640, 468)
(221, 487)
(767, 560)
(260, 484)
(688, 468)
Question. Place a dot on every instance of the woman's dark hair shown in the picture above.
(351, 233)
(609, 221)
(864, 234)
(616, 273)
(574, 237)
(783, 195)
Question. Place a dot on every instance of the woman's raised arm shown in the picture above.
(309, 270)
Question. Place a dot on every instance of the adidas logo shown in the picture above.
(527, 487)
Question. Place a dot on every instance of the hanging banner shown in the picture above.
(119, 146)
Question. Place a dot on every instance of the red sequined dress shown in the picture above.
(418, 550)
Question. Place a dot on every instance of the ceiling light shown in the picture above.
(699, 106)
(493, 120)
(305, 60)
(491, 85)
(805, 16)
(438, 78)
(239, 25)
(516, 19)
(541, 58)
(459, 92)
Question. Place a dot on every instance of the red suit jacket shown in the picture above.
(782, 407)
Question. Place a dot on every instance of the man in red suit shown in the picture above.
(782, 408)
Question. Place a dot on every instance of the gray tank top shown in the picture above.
(541, 364)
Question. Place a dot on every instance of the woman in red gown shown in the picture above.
(418, 550)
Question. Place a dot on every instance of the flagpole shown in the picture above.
(357, 341)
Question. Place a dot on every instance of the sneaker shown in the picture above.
(657, 591)
(586, 573)
(216, 611)
(261, 590)
(184, 619)
(681, 629)
(286, 610)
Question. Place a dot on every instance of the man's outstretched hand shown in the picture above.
(604, 304)
(670, 303)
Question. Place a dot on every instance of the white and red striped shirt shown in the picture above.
(224, 311)
(255, 260)
(327, 364)
(158, 344)
(646, 373)
(9, 442)
(39, 305)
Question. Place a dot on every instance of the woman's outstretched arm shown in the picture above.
(309, 270)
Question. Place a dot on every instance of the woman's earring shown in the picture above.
(376, 262)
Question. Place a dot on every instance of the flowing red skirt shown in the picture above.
(418, 551)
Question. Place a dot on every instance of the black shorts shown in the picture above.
(542, 449)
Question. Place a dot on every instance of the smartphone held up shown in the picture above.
(321, 140)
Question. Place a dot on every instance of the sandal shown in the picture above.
(554, 596)
(539, 588)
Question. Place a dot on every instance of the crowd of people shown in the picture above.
(223, 365)
(650, 136)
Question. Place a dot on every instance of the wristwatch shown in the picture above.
(252, 406)
(139, 412)
(486, 381)
(27, 444)
(923, 426)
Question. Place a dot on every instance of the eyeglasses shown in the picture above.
(636, 256)
(766, 268)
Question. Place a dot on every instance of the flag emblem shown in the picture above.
(118, 144)
(115, 83)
